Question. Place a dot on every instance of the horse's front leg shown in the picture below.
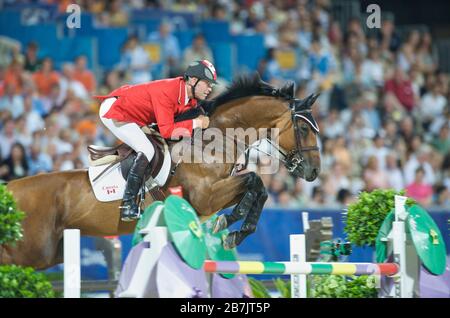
(245, 204)
(243, 190)
(252, 217)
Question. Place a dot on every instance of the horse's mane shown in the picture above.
(245, 85)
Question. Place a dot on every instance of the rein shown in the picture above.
(295, 157)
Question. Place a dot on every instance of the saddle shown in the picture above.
(124, 154)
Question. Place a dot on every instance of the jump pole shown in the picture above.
(72, 264)
(293, 268)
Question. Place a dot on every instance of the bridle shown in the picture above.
(298, 109)
(295, 157)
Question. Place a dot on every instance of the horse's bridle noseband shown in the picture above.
(295, 157)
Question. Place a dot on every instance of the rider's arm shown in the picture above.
(165, 113)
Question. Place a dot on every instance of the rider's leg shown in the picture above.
(132, 135)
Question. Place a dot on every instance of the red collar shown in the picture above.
(182, 94)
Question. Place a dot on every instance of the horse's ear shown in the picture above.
(288, 89)
(306, 103)
(312, 99)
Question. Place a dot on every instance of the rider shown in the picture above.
(125, 110)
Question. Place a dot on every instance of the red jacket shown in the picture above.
(154, 102)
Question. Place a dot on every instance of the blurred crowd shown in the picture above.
(383, 113)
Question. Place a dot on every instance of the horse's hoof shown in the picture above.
(230, 241)
(220, 224)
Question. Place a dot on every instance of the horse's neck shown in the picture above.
(252, 112)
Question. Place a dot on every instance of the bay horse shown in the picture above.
(56, 201)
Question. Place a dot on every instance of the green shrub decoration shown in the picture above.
(19, 282)
(365, 216)
(258, 289)
(10, 218)
(284, 287)
(339, 286)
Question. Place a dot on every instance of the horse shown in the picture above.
(62, 200)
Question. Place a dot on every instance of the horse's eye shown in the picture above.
(304, 129)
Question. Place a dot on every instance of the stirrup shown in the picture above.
(151, 183)
(130, 215)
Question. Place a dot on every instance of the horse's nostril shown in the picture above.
(315, 173)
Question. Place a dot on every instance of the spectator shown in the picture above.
(334, 127)
(369, 112)
(393, 171)
(420, 190)
(407, 129)
(270, 38)
(299, 196)
(11, 102)
(372, 69)
(117, 16)
(32, 62)
(9, 51)
(327, 158)
(33, 119)
(344, 197)
(15, 166)
(285, 200)
(83, 75)
(277, 186)
(374, 177)
(432, 105)
(352, 68)
(304, 35)
(46, 78)
(421, 159)
(14, 76)
(400, 87)
(406, 57)
(135, 61)
(68, 82)
(388, 37)
(269, 68)
(111, 82)
(378, 150)
(441, 196)
(319, 63)
(169, 46)
(335, 180)
(199, 50)
(24, 136)
(426, 55)
(342, 155)
(218, 12)
(8, 137)
(442, 142)
(389, 132)
(318, 198)
(38, 161)
(52, 101)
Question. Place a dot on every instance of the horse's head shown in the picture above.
(275, 108)
(299, 137)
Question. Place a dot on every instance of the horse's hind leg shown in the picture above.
(251, 220)
(243, 207)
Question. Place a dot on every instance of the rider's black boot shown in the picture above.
(129, 208)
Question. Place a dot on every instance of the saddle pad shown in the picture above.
(111, 185)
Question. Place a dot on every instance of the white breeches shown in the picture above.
(129, 133)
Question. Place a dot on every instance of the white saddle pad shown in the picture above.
(111, 185)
